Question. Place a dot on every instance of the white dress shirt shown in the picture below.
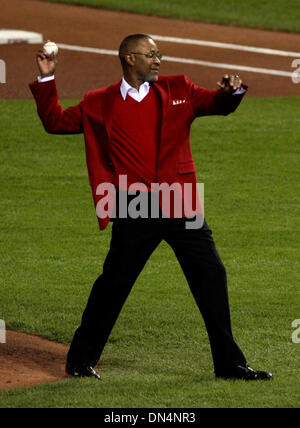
(137, 95)
(45, 79)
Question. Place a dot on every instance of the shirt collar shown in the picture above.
(125, 88)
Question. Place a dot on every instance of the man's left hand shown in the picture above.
(230, 83)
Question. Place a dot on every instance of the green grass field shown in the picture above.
(281, 15)
(158, 354)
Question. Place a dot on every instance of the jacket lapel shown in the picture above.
(108, 105)
(162, 87)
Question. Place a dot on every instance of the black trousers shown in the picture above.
(132, 243)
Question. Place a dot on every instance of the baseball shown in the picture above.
(50, 48)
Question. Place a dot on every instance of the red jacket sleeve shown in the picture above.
(213, 102)
(54, 118)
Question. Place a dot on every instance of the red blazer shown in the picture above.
(182, 101)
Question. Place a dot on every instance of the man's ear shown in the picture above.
(129, 59)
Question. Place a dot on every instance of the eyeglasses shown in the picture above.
(150, 55)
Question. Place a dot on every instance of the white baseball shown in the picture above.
(50, 48)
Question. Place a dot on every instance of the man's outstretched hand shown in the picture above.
(46, 63)
(230, 83)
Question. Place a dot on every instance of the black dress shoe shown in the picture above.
(84, 371)
(246, 373)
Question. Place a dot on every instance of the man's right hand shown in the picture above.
(46, 63)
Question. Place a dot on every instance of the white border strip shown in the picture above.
(19, 36)
(254, 49)
(184, 61)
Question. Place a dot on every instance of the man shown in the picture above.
(139, 128)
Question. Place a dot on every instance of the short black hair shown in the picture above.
(130, 41)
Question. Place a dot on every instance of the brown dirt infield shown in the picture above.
(79, 72)
(28, 360)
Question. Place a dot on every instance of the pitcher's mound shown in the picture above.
(27, 360)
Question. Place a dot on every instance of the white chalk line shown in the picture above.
(231, 46)
(185, 61)
(229, 66)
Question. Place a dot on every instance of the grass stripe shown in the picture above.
(280, 15)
